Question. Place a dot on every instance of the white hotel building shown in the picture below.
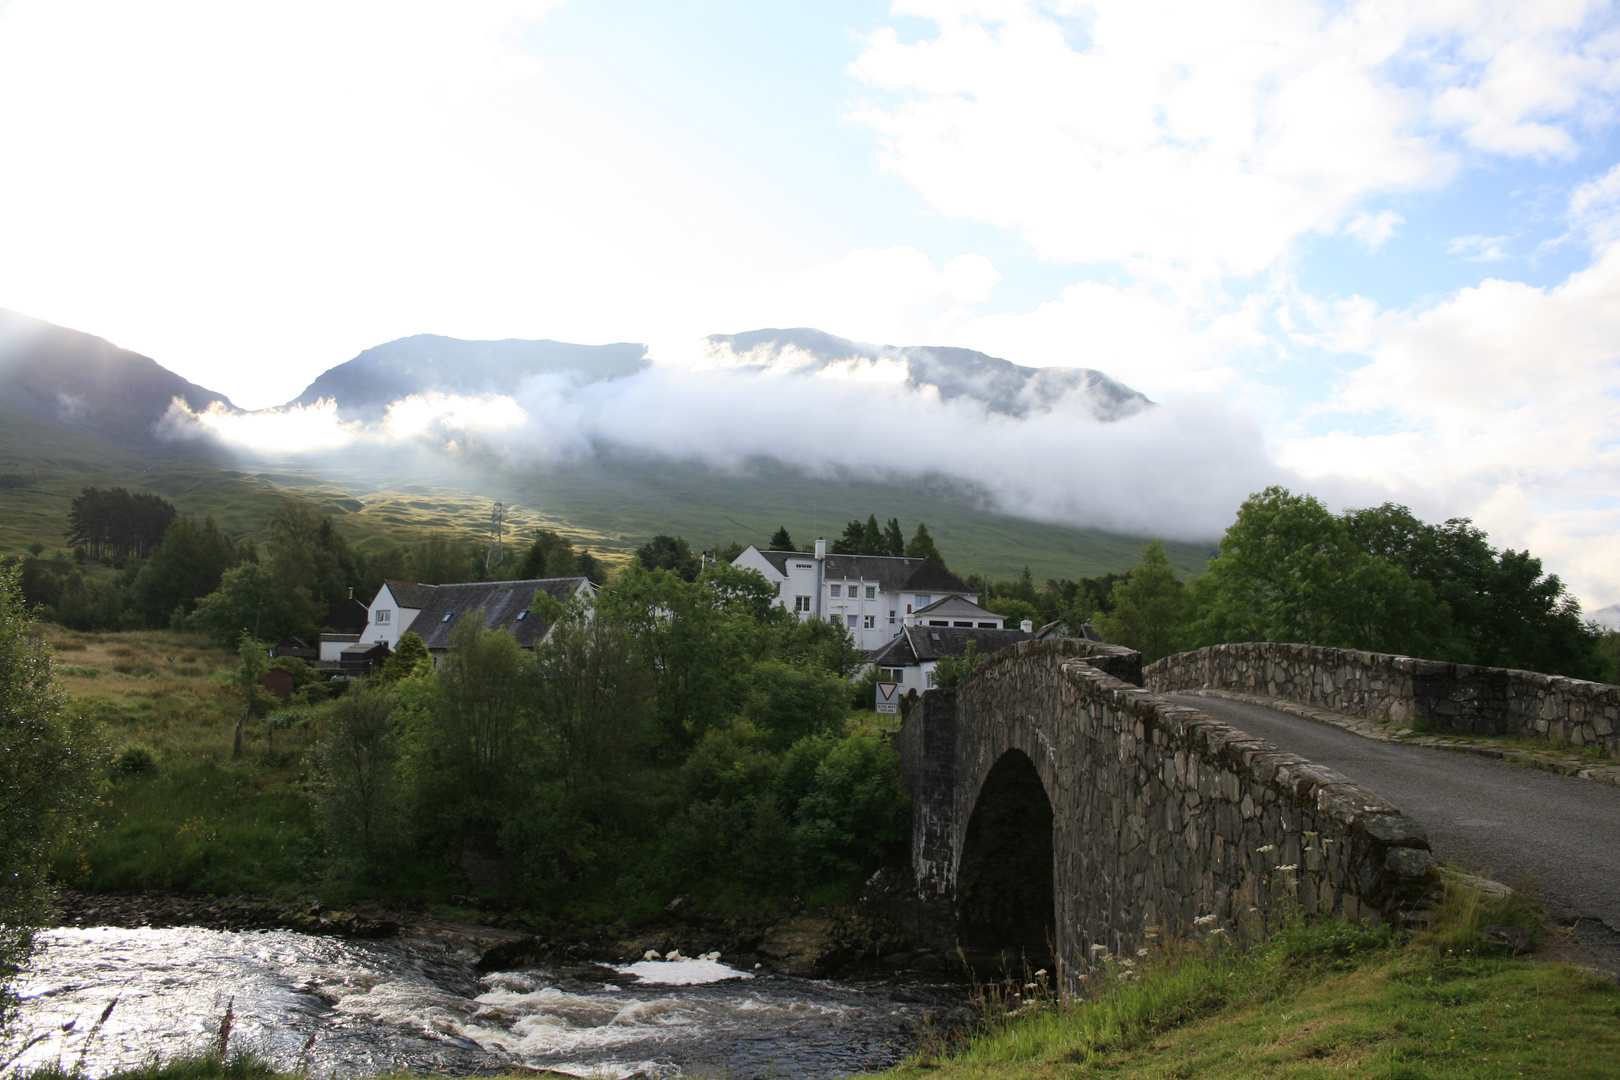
(870, 595)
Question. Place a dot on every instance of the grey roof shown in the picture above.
(919, 644)
(894, 573)
(506, 605)
(410, 594)
(957, 607)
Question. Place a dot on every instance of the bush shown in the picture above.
(134, 759)
(856, 815)
(788, 703)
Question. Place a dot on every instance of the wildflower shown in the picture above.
(1289, 866)
(1218, 930)
(1266, 847)
(1041, 972)
(1099, 947)
(1141, 952)
(1204, 920)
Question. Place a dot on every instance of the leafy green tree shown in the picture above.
(589, 567)
(671, 553)
(410, 657)
(1505, 612)
(594, 698)
(483, 723)
(951, 670)
(696, 646)
(787, 703)
(248, 598)
(922, 545)
(894, 541)
(551, 555)
(186, 567)
(1014, 610)
(438, 560)
(781, 541)
(309, 560)
(872, 537)
(48, 774)
(1149, 607)
(855, 815)
(358, 795)
(255, 661)
(1288, 570)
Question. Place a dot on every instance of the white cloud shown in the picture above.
(1203, 140)
(1371, 230)
(1504, 401)
(1478, 248)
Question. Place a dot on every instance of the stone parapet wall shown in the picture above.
(1162, 816)
(1458, 697)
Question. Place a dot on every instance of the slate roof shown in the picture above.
(506, 605)
(956, 607)
(349, 615)
(894, 573)
(410, 594)
(920, 644)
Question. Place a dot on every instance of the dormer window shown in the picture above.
(382, 616)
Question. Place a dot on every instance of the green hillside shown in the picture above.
(611, 504)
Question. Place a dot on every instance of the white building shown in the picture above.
(870, 595)
(432, 611)
(911, 657)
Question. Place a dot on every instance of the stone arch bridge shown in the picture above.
(1059, 808)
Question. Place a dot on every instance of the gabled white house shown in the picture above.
(911, 657)
(432, 611)
(869, 595)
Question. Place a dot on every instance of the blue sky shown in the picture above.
(1371, 242)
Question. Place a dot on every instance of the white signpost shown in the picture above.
(888, 697)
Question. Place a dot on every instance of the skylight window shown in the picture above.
(447, 616)
(522, 615)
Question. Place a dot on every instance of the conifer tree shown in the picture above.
(922, 545)
(871, 537)
(894, 541)
(781, 541)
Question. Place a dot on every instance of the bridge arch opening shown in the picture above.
(1005, 895)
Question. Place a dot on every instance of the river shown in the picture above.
(337, 1007)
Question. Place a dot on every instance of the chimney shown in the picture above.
(821, 547)
(1027, 626)
(908, 619)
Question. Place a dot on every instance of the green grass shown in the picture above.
(1320, 1000)
(194, 821)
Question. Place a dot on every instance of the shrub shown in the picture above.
(134, 759)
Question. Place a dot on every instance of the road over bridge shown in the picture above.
(1502, 820)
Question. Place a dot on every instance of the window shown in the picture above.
(383, 616)
(522, 615)
(923, 599)
(891, 674)
(988, 626)
(801, 603)
(891, 618)
(938, 622)
(852, 619)
(930, 676)
(447, 616)
(969, 625)
(871, 592)
(871, 622)
(835, 589)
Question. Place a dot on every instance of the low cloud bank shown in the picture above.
(1177, 470)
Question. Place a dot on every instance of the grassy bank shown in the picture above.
(1320, 1000)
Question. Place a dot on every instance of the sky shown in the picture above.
(1368, 250)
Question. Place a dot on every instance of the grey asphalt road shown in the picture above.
(1499, 820)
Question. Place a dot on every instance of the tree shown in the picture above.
(787, 703)
(670, 553)
(249, 599)
(849, 543)
(117, 522)
(1148, 607)
(1288, 570)
(922, 545)
(359, 791)
(438, 561)
(781, 541)
(550, 556)
(951, 670)
(872, 537)
(48, 772)
(589, 567)
(186, 567)
(1013, 609)
(255, 662)
(410, 657)
(894, 541)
